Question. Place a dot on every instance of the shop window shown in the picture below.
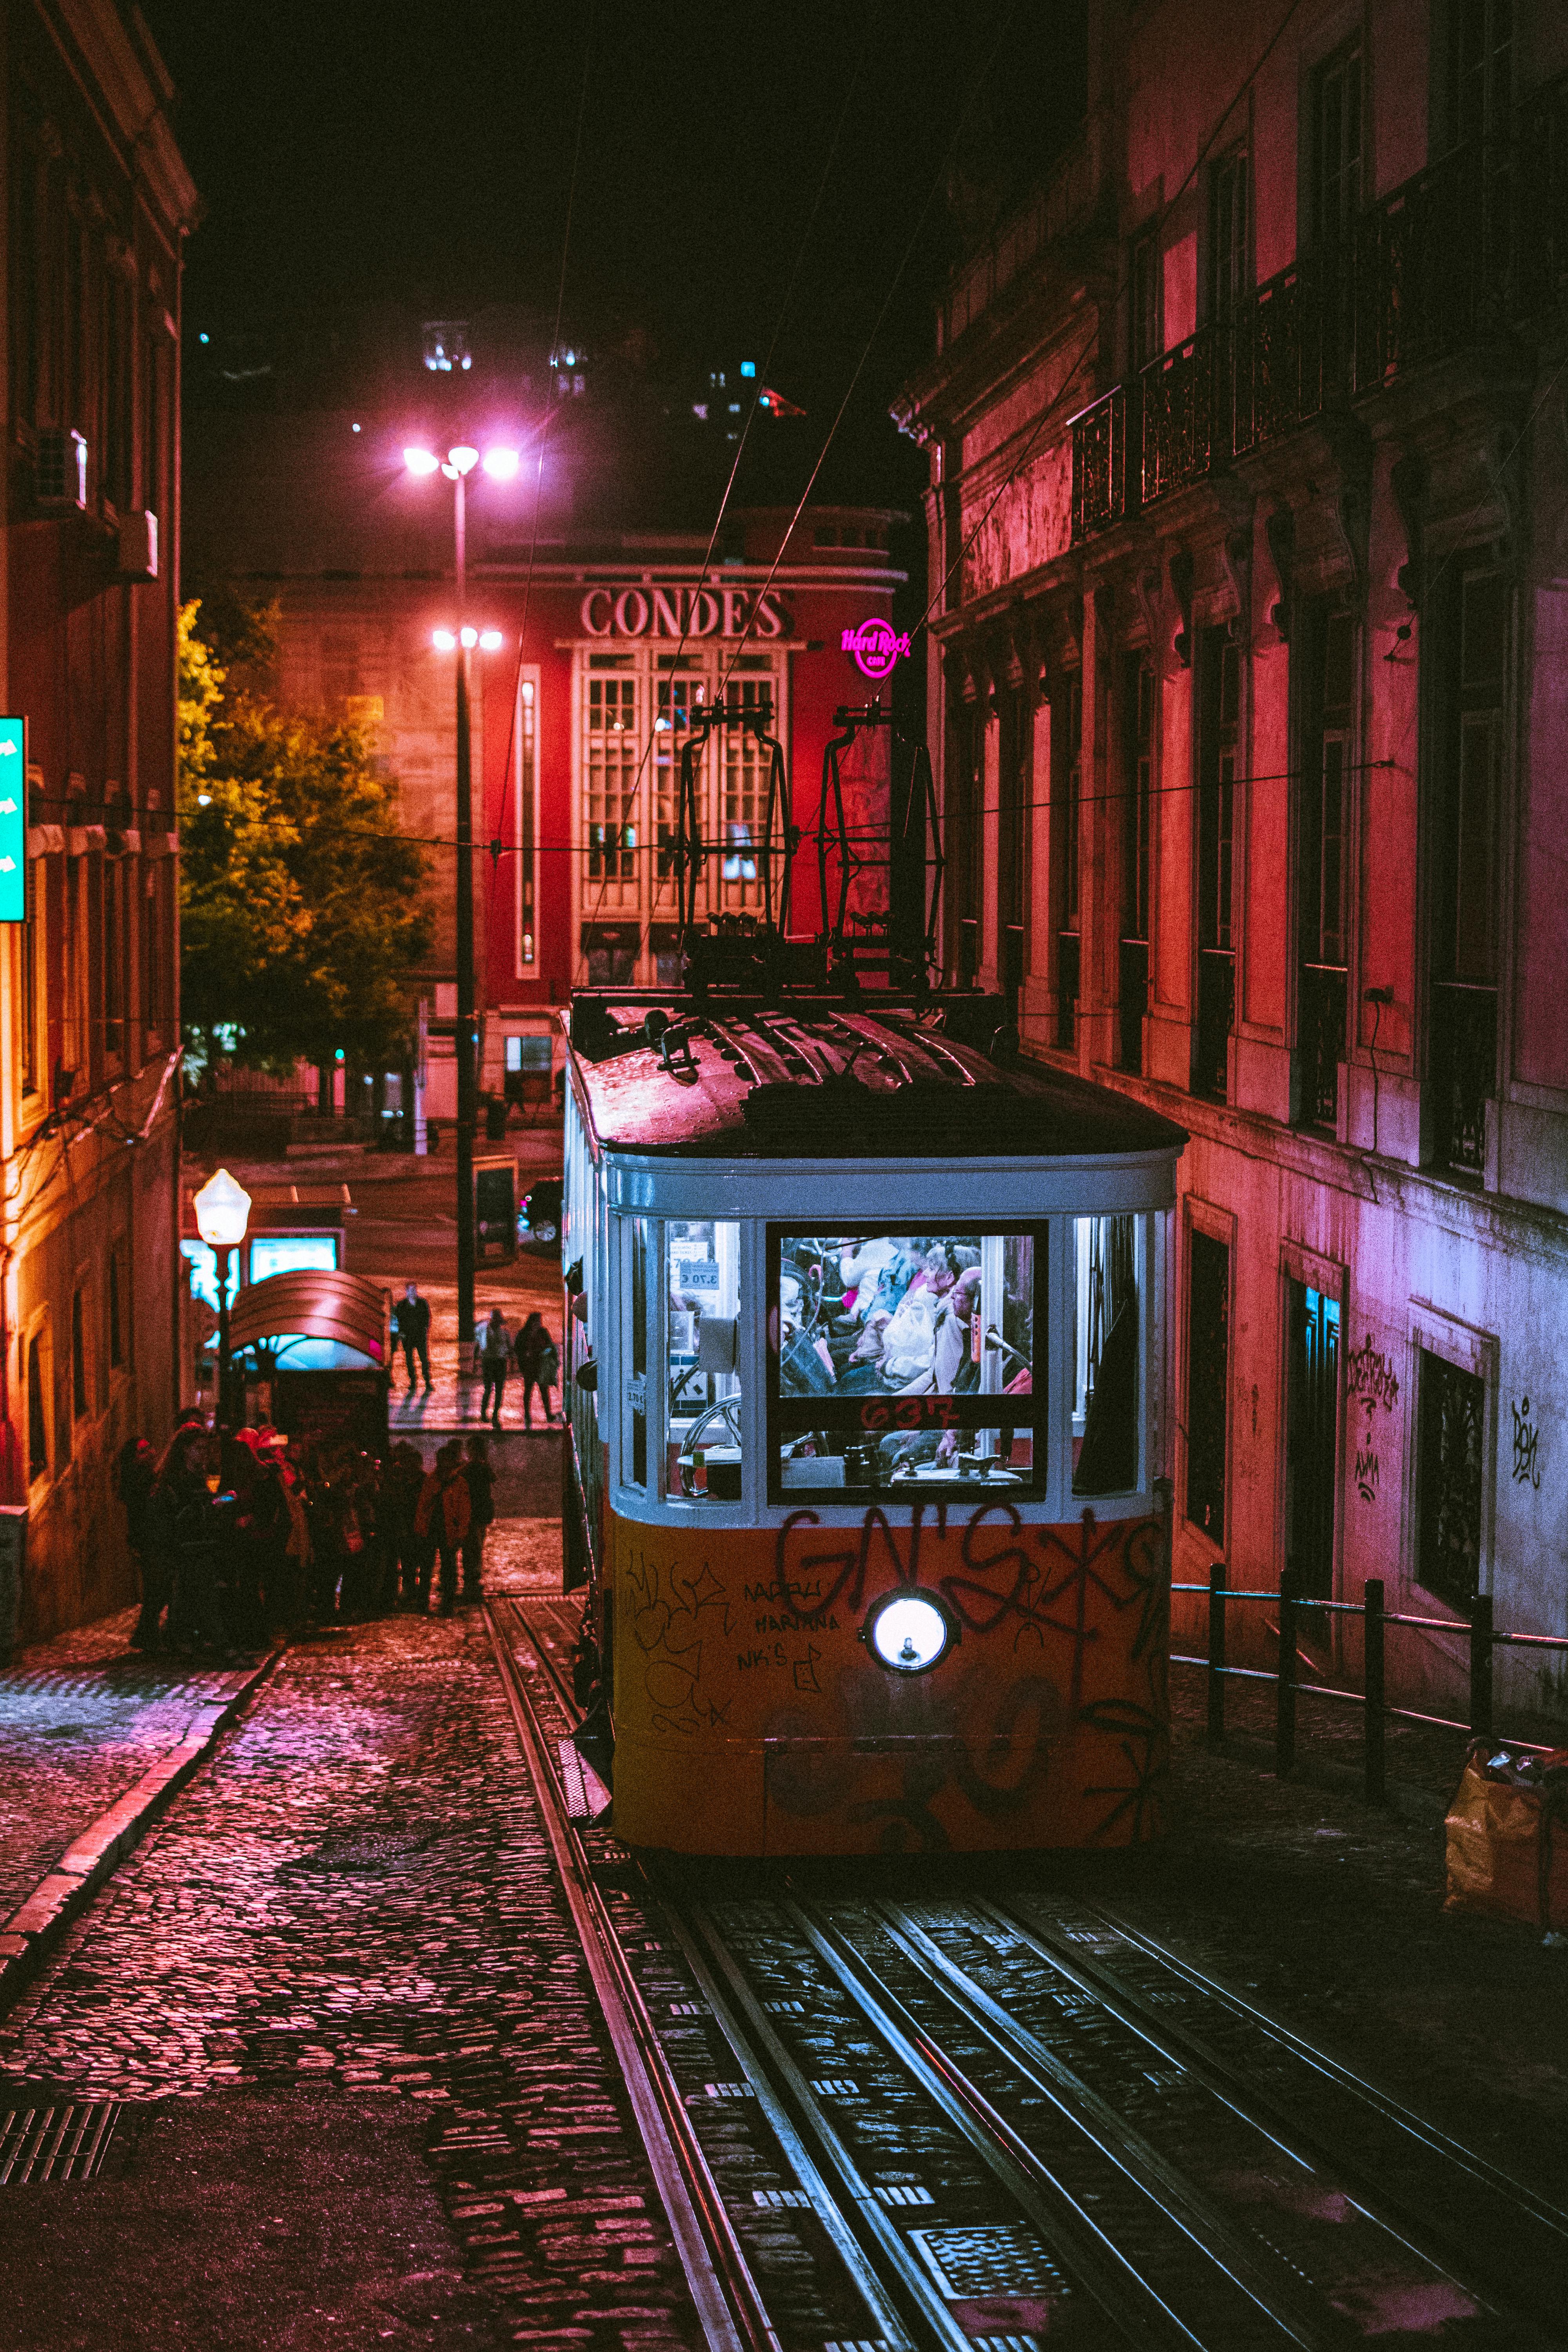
(703, 1306)
(1451, 1479)
(899, 1360)
(1107, 1354)
(1208, 1380)
(1066, 788)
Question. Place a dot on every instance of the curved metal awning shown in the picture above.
(313, 1301)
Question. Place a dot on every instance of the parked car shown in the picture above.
(539, 1219)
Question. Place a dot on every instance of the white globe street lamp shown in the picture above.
(223, 1212)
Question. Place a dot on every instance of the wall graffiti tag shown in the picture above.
(1526, 1447)
(1371, 1380)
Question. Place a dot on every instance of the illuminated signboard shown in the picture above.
(876, 646)
(13, 820)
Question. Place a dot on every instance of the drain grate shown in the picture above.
(987, 2260)
(66, 2141)
(782, 2201)
(899, 2194)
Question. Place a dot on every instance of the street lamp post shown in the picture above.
(500, 464)
(223, 1212)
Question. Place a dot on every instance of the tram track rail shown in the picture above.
(1083, 2151)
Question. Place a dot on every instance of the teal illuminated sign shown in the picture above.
(13, 820)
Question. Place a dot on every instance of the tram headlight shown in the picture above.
(909, 1632)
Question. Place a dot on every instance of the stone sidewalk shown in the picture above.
(83, 1719)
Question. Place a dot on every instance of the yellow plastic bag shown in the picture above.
(1508, 1840)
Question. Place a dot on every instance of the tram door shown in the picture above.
(1311, 1446)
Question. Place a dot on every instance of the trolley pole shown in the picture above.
(467, 1103)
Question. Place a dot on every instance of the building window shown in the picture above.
(1336, 146)
(79, 1355)
(154, 962)
(114, 956)
(30, 1054)
(1219, 742)
(1067, 741)
(1140, 705)
(1208, 1380)
(525, 789)
(1470, 647)
(680, 694)
(609, 787)
(746, 768)
(37, 1406)
(965, 838)
(1145, 301)
(1480, 67)
(610, 952)
(1014, 741)
(1327, 652)
(116, 1309)
(1450, 1477)
(73, 1028)
(1230, 235)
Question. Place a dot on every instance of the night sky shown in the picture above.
(352, 154)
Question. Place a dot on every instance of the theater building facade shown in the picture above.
(607, 655)
(1249, 479)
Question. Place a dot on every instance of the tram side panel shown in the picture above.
(751, 1717)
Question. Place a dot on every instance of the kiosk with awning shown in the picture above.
(315, 1349)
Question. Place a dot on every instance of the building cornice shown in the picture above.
(131, 83)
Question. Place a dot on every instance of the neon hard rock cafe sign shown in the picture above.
(876, 646)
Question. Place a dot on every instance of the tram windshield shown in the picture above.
(904, 1359)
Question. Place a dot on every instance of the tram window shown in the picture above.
(637, 1386)
(1107, 1349)
(900, 1360)
(702, 1292)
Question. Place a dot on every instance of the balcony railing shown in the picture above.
(1177, 396)
(1467, 251)
(1321, 1037)
(1462, 1069)
(1133, 1004)
(1216, 1014)
(1100, 472)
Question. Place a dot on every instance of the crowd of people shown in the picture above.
(245, 1535)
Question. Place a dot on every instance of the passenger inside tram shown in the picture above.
(918, 1318)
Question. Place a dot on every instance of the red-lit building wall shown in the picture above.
(1256, 641)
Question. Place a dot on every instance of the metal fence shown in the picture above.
(1482, 1636)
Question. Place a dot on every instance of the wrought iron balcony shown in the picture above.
(1132, 992)
(1320, 1039)
(1100, 469)
(1470, 249)
(1462, 1071)
(1217, 1014)
(1176, 397)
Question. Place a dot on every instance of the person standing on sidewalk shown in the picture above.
(494, 1353)
(134, 1473)
(411, 1327)
(443, 1515)
(539, 1362)
(477, 1470)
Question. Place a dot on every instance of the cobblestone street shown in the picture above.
(375, 2103)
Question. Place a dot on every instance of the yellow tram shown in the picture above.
(866, 1430)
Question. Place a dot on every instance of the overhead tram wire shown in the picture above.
(745, 434)
(551, 415)
(973, 92)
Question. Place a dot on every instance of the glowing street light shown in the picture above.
(223, 1212)
(500, 461)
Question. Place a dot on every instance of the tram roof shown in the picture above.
(827, 1079)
